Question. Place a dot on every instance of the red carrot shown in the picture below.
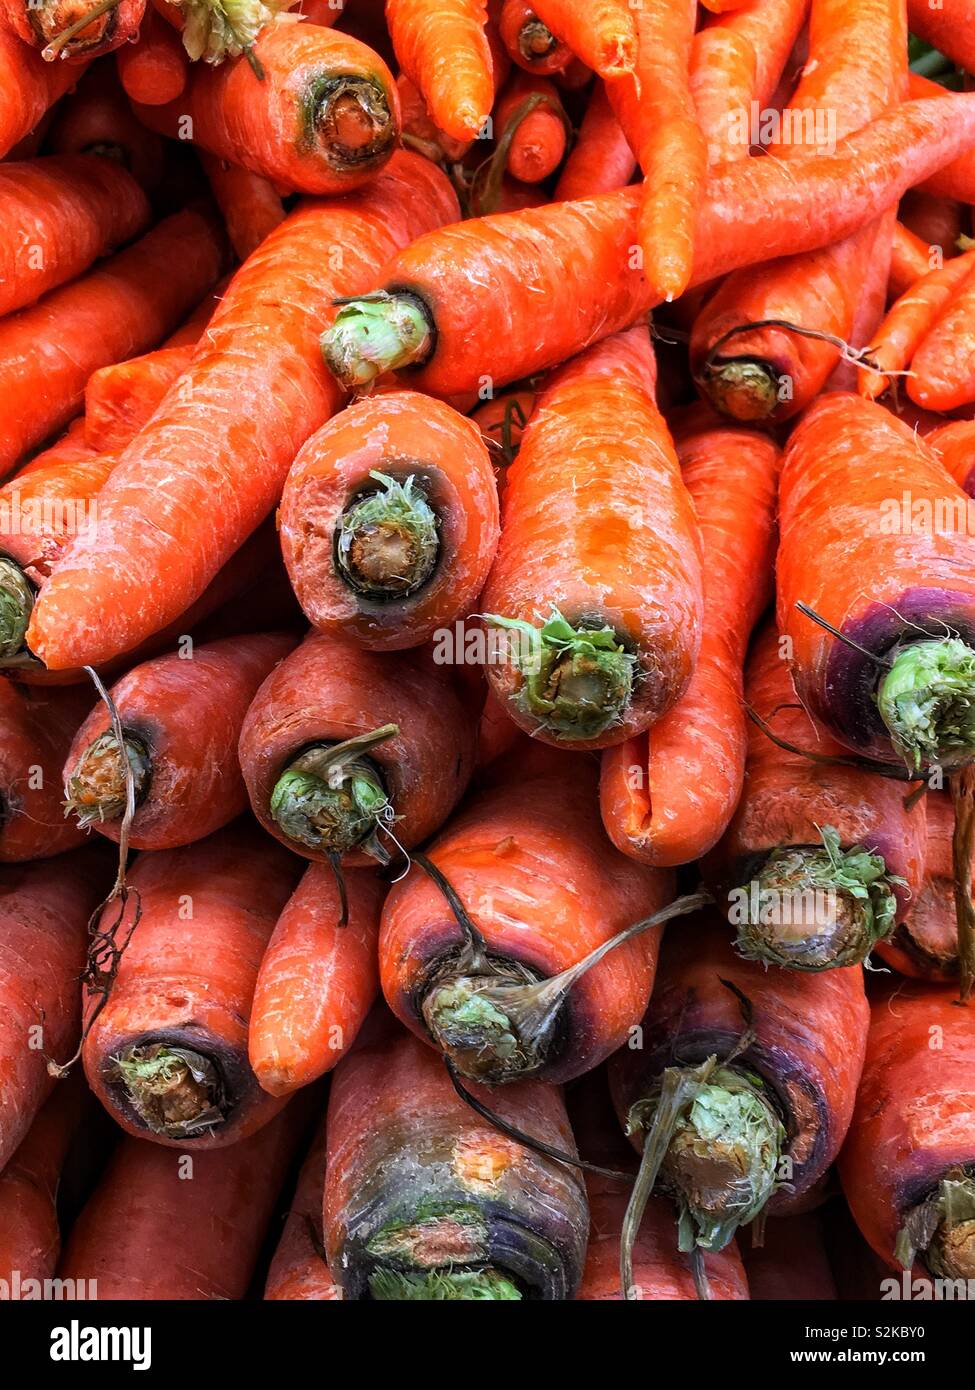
(949, 27)
(791, 1263)
(155, 69)
(250, 205)
(603, 33)
(29, 87)
(97, 119)
(299, 1270)
(925, 944)
(955, 445)
(36, 729)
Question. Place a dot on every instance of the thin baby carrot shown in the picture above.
(442, 47)
(908, 321)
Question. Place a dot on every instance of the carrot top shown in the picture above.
(374, 334)
(387, 542)
(217, 29)
(927, 702)
(943, 1228)
(16, 606)
(96, 789)
(333, 797)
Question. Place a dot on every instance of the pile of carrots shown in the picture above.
(487, 616)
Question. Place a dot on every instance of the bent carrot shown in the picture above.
(166, 1050)
(318, 979)
(389, 521)
(529, 110)
(908, 322)
(667, 795)
(444, 51)
(298, 1269)
(57, 26)
(529, 41)
(250, 204)
(97, 119)
(600, 159)
(29, 87)
(36, 729)
(341, 744)
(229, 480)
(603, 33)
(954, 444)
(59, 215)
(925, 943)
(155, 69)
(943, 366)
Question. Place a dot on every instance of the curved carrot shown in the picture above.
(324, 118)
(957, 179)
(911, 258)
(167, 1053)
(340, 744)
(792, 1262)
(181, 718)
(57, 28)
(97, 119)
(318, 979)
(298, 1270)
(450, 290)
(943, 366)
(529, 861)
(909, 321)
(40, 511)
(59, 215)
(820, 860)
(29, 87)
(602, 33)
(443, 49)
(426, 1200)
(250, 204)
(30, 1234)
(954, 444)
(950, 28)
(229, 479)
(155, 69)
(667, 795)
(36, 729)
(925, 944)
(389, 521)
(600, 159)
(538, 132)
(125, 305)
(601, 639)
(529, 41)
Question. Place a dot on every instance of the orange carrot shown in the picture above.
(155, 69)
(955, 445)
(530, 113)
(41, 508)
(443, 49)
(97, 119)
(57, 26)
(911, 257)
(530, 42)
(602, 33)
(36, 730)
(299, 1270)
(955, 180)
(943, 366)
(909, 321)
(949, 27)
(925, 944)
(420, 133)
(29, 87)
(250, 205)
(601, 159)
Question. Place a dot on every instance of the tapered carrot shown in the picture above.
(250, 204)
(955, 180)
(911, 258)
(528, 860)
(530, 115)
(181, 718)
(155, 69)
(48, 351)
(603, 34)
(425, 1200)
(529, 41)
(229, 479)
(298, 1270)
(389, 521)
(909, 321)
(462, 281)
(323, 119)
(36, 729)
(97, 119)
(57, 27)
(667, 795)
(792, 1262)
(925, 943)
(166, 1051)
(29, 87)
(44, 911)
(942, 375)
(59, 215)
(602, 639)
(155, 1230)
(600, 159)
(948, 27)
(955, 445)
(820, 860)
(318, 979)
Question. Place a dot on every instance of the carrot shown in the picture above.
(502, 419)
(250, 205)
(322, 12)
(426, 1201)
(181, 717)
(528, 860)
(911, 258)
(909, 321)
(667, 796)
(29, 87)
(950, 28)
(602, 639)
(791, 1263)
(36, 729)
(341, 744)
(97, 119)
(925, 944)
(496, 733)
(954, 444)
(530, 42)
(870, 305)
(156, 68)
(603, 34)
(318, 979)
(166, 1051)
(40, 509)
(323, 119)
(942, 373)
(820, 859)
(59, 215)
(465, 280)
(147, 1233)
(298, 1270)
(907, 1161)
(742, 1092)
(956, 180)
(530, 114)
(57, 26)
(228, 479)
(48, 351)
(939, 221)
(420, 133)
(601, 159)
(389, 521)
(44, 910)
(444, 51)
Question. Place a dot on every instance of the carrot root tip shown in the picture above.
(176, 1092)
(96, 791)
(927, 703)
(536, 40)
(742, 389)
(387, 542)
(16, 606)
(376, 334)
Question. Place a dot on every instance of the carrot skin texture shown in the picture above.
(925, 944)
(236, 473)
(250, 204)
(122, 307)
(155, 69)
(947, 28)
(538, 144)
(910, 260)
(121, 398)
(30, 1234)
(667, 795)
(40, 509)
(36, 729)
(601, 160)
(317, 981)
(399, 434)
(957, 179)
(298, 1271)
(943, 367)
(189, 981)
(443, 49)
(29, 87)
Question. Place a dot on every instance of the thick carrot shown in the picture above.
(298, 1270)
(29, 87)
(156, 68)
(529, 861)
(602, 638)
(166, 1054)
(44, 911)
(323, 119)
(667, 795)
(529, 114)
(59, 215)
(601, 159)
(97, 119)
(529, 41)
(925, 944)
(148, 1233)
(820, 859)
(318, 979)
(250, 204)
(909, 320)
(340, 745)
(229, 477)
(948, 26)
(603, 33)
(389, 521)
(954, 444)
(791, 1263)
(424, 1200)
(57, 26)
(955, 180)
(181, 717)
(942, 373)
(48, 351)
(911, 258)
(443, 299)
(906, 1167)
(36, 729)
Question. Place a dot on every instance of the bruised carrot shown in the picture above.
(147, 1233)
(57, 27)
(942, 375)
(318, 979)
(443, 49)
(602, 638)
(324, 118)
(166, 1051)
(528, 860)
(529, 110)
(431, 298)
(667, 795)
(155, 69)
(36, 729)
(426, 1201)
(924, 944)
(600, 159)
(29, 87)
(792, 1263)
(228, 479)
(820, 859)
(911, 258)
(529, 41)
(250, 204)
(44, 911)
(954, 444)
(298, 1269)
(909, 321)
(389, 521)
(97, 119)
(59, 215)
(603, 33)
